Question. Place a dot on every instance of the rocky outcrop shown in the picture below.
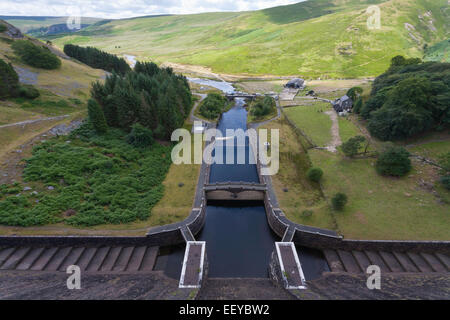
(12, 31)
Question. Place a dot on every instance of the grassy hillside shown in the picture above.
(62, 92)
(439, 52)
(316, 38)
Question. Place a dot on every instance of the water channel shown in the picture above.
(239, 241)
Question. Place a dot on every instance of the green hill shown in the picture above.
(316, 38)
(439, 52)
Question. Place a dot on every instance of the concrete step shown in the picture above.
(44, 258)
(136, 259)
(110, 259)
(406, 263)
(86, 258)
(391, 261)
(444, 259)
(149, 259)
(15, 258)
(5, 253)
(376, 259)
(334, 262)
(349, 261)
(57, 259)
(72, 258)
(97, 260)
(30, 258)
(434, 262)
(362, 260)
(123, 259)
(242, 289)
(419, 262)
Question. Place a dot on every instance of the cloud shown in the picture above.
(130, 8)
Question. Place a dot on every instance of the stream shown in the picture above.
(239, 241)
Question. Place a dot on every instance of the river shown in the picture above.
(239, 241)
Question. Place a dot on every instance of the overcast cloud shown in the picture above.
(129, 8)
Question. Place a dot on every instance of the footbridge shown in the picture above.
(235, 191)
(231, 96)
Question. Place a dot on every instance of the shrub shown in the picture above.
(106, 181)
(9, 80)
(262, 107)
(29, 92)
(409, 99)
(36, 56)
(354, 93)
(352, 146)
(3, 28)
(339, 201)
(358, 106)
(445, 180)
(307, 213)
(394, 161)
(140, 136)
(96, 117)
(212, 106)
(97, 59)
(314, 174)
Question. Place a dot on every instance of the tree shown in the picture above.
(35, 55)
(394, 161)
(406, 112)
(140, 136)
(96, 117)
(352, 146)
(339, 201)
(358, 106)
(314, 174)
(354, 93)
(9, 80)
(97, 59)
(212, 106)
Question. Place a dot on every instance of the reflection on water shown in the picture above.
(223, 86)
(239, 241)
(235, 118)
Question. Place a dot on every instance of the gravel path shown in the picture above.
(336, 138)
(26, 76)
(33, 121)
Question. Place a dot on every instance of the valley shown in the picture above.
(113, 140)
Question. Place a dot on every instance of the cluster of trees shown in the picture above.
(154, 97)
(9, 81)
(10, 86)
(263, 107)
(35, 55)
(212, 106)
(410, 98)
(98, 59)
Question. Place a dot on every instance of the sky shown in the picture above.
(115, 9)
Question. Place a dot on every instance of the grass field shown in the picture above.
(380, 207)
(320, 38)
(302, 194)
(311, 119)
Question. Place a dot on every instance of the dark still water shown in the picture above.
(239, 241)
(235, 118)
